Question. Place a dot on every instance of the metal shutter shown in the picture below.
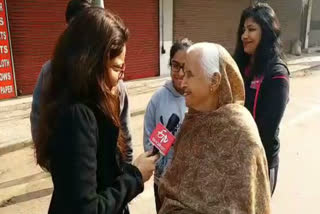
(142, 19)
(35, 26)
(212, 21)
(289, 15)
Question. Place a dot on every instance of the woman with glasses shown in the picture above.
(80, 140)
(167, 100)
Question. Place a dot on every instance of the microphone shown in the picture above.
(171, 127)
(173, 123)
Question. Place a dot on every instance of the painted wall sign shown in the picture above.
(7, 82)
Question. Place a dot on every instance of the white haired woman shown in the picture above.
(220, 164)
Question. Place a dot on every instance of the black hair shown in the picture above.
(182, 44)
(79, 73)
(270, 46)
(74, 7)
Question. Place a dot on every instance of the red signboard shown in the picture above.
(7, 86)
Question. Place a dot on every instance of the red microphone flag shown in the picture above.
(162, 139)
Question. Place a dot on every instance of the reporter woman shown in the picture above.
(80, 140)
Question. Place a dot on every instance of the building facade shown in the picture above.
(36, 25)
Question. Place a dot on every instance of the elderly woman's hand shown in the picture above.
(146, 164)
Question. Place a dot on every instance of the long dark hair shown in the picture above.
(79, 73)
(75, 7)
(270, 46)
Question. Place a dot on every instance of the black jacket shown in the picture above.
(87, 172)
(266, 99)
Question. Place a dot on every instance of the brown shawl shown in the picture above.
(219, 164)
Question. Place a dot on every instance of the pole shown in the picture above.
(99, 3)
(306, 42)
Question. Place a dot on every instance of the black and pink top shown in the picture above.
(266, 99)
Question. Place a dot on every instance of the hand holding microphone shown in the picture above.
(146, 164)
(162, 138)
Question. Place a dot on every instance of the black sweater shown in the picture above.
(88, 175)
(266, 99)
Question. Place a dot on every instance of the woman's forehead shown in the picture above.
(194, 55)
(250, 21)
(193, 62)
(180, 56)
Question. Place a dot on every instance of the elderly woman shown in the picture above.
(220, 164)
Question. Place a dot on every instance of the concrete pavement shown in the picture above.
(298, 188)
(14, 113)
(26, 189)
(299, 65)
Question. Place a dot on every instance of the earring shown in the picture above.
(211, 89)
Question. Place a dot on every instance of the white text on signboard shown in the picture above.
(6, 89)
(4, 63)
(3, 36)
(5, 76)
(7, 85)
(3, 49)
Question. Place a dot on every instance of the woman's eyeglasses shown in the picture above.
(119, 69)
(176, 66)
